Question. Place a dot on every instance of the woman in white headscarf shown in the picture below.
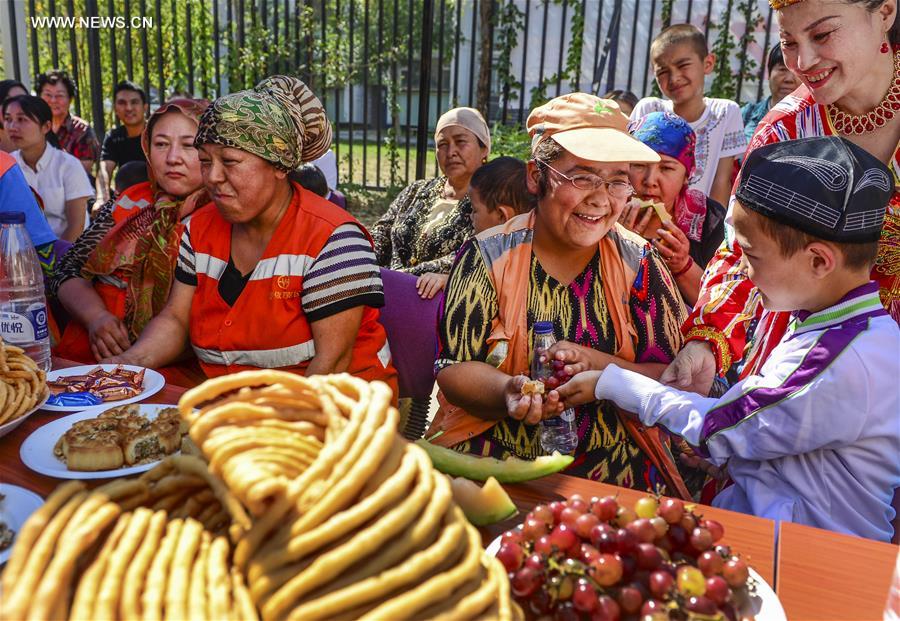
(430, 219)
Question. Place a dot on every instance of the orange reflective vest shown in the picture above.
(267, 326)
(506, 251)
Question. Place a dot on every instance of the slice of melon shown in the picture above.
(485, 504)
(510, 470)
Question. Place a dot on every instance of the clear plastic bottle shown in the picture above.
(557, 433)
(23, 307)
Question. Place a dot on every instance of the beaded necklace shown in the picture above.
(855, 124)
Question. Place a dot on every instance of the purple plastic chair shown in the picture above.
(411, 326)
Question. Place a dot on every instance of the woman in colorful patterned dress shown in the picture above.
(427, 223)
(607, 292)
(847, 56)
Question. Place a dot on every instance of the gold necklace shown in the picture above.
(855, 124)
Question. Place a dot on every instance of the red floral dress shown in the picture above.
(729, 303)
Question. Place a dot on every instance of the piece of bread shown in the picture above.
(142, 447)
(98, 451)
(533, 387)
(173, 414)
(83, 430)
(169, 433)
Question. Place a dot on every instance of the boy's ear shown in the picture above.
(709, 64)
(823, 258)
(506, 212)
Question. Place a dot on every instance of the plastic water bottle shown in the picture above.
(557, 433)
(23, 307)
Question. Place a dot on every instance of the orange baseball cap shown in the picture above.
(587, 127)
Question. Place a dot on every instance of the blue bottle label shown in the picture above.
(20, 329)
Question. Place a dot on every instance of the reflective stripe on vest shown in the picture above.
(260, 358)
(282, 265)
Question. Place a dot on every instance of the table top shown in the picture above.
(820, 575)
(824, 575)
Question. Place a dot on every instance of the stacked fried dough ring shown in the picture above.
(333, 516)
(151, 548)
(22, 383)
(367, 530)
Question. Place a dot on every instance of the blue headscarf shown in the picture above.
(668, 134)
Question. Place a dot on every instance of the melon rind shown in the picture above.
(510, 470)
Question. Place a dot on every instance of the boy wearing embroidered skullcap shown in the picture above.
(815, 437)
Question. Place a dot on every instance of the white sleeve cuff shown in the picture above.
(629, 390)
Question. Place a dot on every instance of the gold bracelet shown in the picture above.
(718, 342)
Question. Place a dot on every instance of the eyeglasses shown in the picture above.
(616, 189)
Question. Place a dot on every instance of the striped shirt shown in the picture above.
(344, 274)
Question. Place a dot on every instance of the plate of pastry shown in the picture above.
(104, 442)
(77, 388)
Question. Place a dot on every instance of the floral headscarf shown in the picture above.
(280, 120)
(669, 134)
(141, 250)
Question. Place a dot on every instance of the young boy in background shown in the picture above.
(815, 437)
(680, 61)
(498, 192)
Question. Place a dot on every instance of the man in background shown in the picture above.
(122, 144)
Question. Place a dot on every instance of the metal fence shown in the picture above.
(385, 69)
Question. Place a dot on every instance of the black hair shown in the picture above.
(791, 240)
(776, 57)
(310, 177)
(54, 77)
(35, 109)
(502, 182)
(126, 85)
(678, 34)
(620, 95)
(131, 173)
(874, 5)
(7, 85)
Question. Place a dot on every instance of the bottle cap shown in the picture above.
(12, 217)
(543, 327)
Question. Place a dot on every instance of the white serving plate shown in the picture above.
(37, 449)
(18, 505)
(764, 605)
(5, 428)
(153, 383)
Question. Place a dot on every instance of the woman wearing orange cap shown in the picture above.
(847, 56)
(606, 291)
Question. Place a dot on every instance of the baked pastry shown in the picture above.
(90, 452)
(172, 414)
(119, 436)
(533, 387)
(142, 446)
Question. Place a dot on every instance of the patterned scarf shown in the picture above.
(141, 250)
(280, 120)
(669, 134)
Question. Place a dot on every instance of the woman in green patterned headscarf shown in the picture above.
(270, 275)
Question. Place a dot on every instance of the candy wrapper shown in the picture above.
(115, 385)
(74, 399)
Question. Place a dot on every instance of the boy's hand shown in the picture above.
(530, 409)
(579, 389)
(430, 284)
(673, 245)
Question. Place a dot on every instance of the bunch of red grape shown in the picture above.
(558, 377)
(600, 561)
